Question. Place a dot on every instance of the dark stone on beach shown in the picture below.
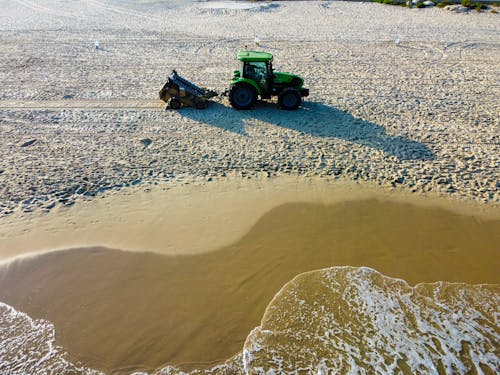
(29, 143)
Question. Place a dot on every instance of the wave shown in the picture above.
(339, 319)
(346, 319)
(27, 346)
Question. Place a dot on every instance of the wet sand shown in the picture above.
(192, 218)
(127, 310)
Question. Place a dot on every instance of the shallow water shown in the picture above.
(345, 319)
(122, 310)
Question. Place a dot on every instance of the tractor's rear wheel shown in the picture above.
(289, 99)
(242, 96)
(174, 103)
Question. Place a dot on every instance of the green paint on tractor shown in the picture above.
(250, 56)
(256, 78)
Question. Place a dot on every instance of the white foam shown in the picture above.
(337, 320)
(27, 346)
(347, 319)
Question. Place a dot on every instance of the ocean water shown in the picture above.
(357, 321)
(27, 346)
(354, 287)
(347, 320)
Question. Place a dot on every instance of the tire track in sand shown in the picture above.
(80, 104)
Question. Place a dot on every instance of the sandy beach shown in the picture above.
(134, 238)
(406, 97)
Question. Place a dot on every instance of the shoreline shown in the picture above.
(250, 353)
(193, 218)
(201, 307)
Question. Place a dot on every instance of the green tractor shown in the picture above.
(257, 78)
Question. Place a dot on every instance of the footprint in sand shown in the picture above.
(29, 143)
(146, 142)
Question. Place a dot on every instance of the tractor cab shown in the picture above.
(257, 78)
(258, 66)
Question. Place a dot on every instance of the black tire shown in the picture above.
(289, 99)
(174, 103)
(201, 105)
(242, 96)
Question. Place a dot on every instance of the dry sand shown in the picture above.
(398, 97)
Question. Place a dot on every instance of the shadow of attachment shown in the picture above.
(314, 119)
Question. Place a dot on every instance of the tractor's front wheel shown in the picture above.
(289, 99)
(174, 103)
(242, 96)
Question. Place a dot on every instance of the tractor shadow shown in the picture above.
(314, 119)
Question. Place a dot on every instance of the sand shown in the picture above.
(398, 97)
(192, 218)
(403, 109)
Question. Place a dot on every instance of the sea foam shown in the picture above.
(341, 320)
(27, 346)
(355, 320)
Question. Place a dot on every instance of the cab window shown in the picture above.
(256, 70)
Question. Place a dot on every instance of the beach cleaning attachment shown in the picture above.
(179, 91)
